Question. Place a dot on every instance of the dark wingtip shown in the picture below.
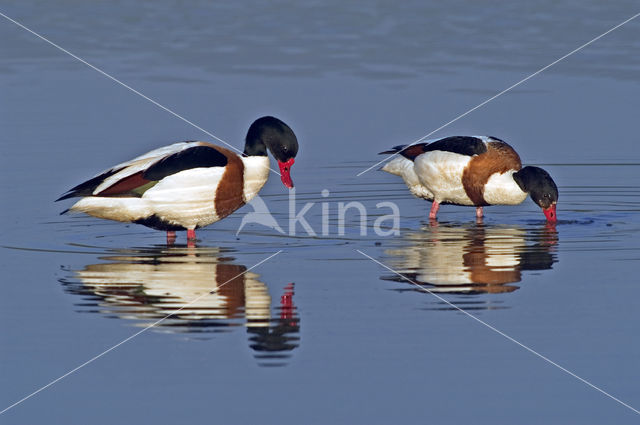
(394, 149)
(65, 196)
(65, 211)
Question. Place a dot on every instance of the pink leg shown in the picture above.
(191, 234)
(171, 237)
(434, 210)
(479, 213)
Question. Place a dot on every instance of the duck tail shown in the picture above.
(408, 151)
(393, 150)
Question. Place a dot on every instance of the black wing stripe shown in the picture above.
(463, 145)
(87, 188)
(195, 157)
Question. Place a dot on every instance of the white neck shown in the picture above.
(256, 173)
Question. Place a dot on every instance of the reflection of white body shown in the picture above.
(192, 291)
(461, 256)
(203, 287)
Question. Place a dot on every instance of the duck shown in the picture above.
(471, 170)
(188, 185)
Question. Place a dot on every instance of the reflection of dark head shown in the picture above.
(541, 255)
(536, 260)
(273, 339)
(280, 335)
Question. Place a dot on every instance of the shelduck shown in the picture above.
(475, 171)
(188, 185)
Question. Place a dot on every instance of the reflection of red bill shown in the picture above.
(286, 303)
(285, 172)
(550, 213)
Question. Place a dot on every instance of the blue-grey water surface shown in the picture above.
(320, 333)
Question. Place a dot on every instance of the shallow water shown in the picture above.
(319, 333)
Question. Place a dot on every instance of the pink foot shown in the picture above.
(434, 210)
(479, 213)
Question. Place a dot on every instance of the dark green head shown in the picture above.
(542, 189)
(276, 136)
(271, 133)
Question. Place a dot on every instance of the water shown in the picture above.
(319, 333)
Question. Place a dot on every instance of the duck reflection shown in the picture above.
(199, 289)
(472, 259)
